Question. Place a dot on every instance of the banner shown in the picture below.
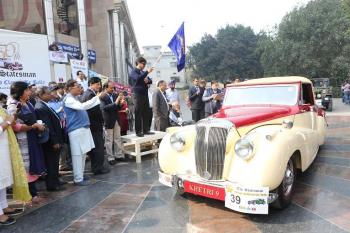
(74, 51)
(23, 57)
(77, 65)
(60, 73)
(58, 56)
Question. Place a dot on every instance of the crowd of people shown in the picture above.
(48, 129)
(51, 128)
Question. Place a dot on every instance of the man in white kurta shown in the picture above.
(78, 127)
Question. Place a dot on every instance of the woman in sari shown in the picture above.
(26, 132)
(123, 116)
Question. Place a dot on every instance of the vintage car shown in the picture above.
(266, 131)
(323, 93)
(7, 64)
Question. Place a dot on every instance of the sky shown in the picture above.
(156, 21)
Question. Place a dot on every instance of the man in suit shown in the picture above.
(52, 147)
(160, 107)
(96, 127)
(140, 89)
(110, 105)
(195, 95)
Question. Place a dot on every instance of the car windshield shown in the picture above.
(252, 95)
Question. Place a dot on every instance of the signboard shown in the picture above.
(58, 56)
(77, 65)
(23, 57)
(74, 51)
(60, 73)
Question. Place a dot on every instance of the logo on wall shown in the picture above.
(10, 56)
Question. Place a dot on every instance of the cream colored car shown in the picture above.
(248, 153)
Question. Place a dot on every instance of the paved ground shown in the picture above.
(130, 199)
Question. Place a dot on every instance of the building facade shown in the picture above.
(166, 68)
(100, 30)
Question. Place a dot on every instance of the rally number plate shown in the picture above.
(247, 200)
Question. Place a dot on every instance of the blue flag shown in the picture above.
(177, 46)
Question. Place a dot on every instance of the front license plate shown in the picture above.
(247, 200)
(213, 192)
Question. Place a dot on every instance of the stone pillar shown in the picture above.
(117, 49)
(50, 29)
(122, 44)
(82, 30)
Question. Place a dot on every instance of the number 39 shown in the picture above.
(235, 199)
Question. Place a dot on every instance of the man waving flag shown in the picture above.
(177, 46)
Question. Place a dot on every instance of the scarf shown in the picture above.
(20, 182)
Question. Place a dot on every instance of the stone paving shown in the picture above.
(130, 199)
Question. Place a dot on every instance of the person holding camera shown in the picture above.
(212, 98)
(111, 105)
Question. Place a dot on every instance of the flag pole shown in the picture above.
(158, 59)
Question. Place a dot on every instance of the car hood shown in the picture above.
(248, 115)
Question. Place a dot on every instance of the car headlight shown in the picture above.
(326, 98)
(244, 148)
(177, 141)
(319, 96)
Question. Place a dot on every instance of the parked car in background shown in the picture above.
(266, 131)
(323, 93)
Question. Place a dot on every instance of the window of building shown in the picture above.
(12, 16)
(175, 78)
(173, 64)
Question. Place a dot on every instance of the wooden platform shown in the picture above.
(137, 142)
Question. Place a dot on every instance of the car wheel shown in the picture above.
(178, 183)
(286, 189)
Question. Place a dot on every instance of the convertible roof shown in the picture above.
(273, 80)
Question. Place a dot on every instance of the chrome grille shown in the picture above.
(210, 147)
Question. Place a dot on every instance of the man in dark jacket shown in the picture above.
(141, 102)
(110, 105)
(195, 95)
(160, 107)
(52, 147)
(96, 127)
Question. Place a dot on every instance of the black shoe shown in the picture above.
(112, 162)
(16, 212)
(66, 169)
(56, 189)
(82, 183)
(8, 222)
(102, 171)
(140, 135)
(120, 159)
(62, 182)
(149, 133)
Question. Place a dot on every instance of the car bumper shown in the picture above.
(252, 200)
